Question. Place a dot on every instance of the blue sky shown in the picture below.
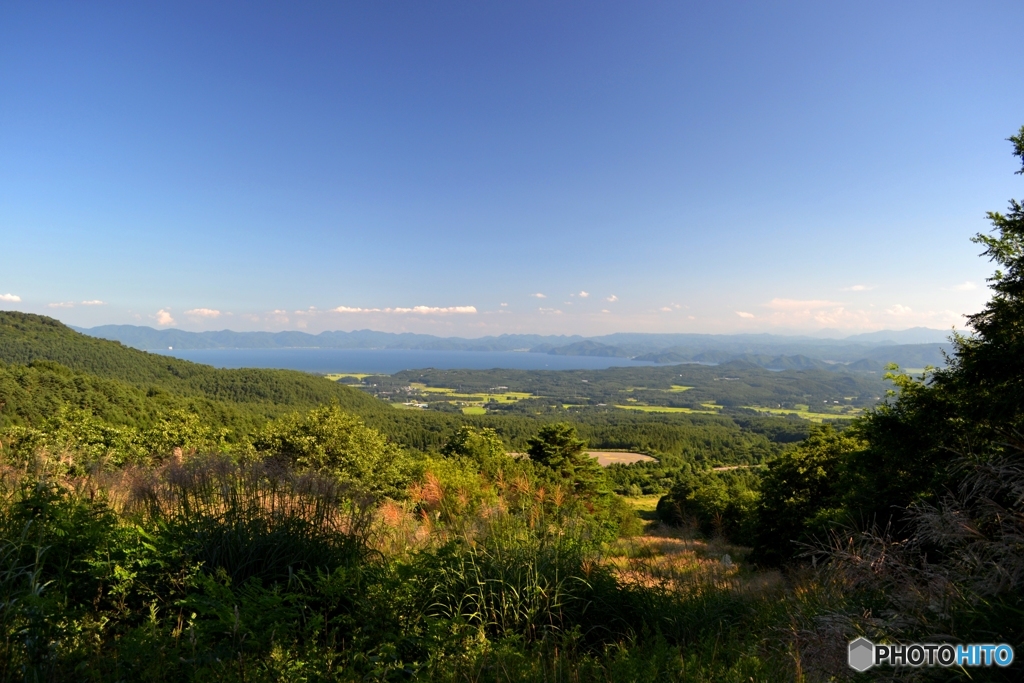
(434, 167)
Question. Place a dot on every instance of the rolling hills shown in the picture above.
(43, 363)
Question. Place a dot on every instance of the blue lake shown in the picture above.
(389, 361)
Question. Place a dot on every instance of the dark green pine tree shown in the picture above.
(558, 449)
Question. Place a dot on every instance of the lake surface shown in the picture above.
(389, 361)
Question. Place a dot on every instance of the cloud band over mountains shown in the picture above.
(416, 310)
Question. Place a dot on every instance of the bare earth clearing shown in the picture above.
(605, 458)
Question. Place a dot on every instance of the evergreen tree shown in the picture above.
(558, 449)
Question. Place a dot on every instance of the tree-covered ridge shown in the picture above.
(25, 338)
(31, 393)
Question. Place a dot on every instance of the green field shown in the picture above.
(665, 409)
(806, 414)
(502, 397)
(645, 505)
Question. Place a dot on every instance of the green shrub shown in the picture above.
(802, 494)
(330, 441)
(716, 503)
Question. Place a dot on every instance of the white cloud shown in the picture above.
(350, 309)
(203, 313)
(504, 305)
(665, 309)
(554, 311)
(71, 304)
(612, 298)
(416, 310)
(965, 287)
(584, 295)
(434, 310)
(164, 317)
(742, 314)
(900, 310)
(605, 310)
(820, 313)
(798, 304)
(815, 313)
(538, 295)
(13, 298)
(858, 288)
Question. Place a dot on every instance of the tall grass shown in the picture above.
(20, 587)
(210, 569)
(255, 520)
(514, 580)
(958, 576)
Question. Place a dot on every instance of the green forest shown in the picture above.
(167, 521)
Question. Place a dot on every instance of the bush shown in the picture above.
(330, 441)
(802, 494)
(716, 503)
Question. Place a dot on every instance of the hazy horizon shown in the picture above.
(820, 334)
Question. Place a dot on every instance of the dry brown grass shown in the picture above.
(605, 458)
(676, 559)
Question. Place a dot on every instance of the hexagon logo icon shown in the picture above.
(862, 654)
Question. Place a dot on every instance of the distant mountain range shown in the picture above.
(915, 347)
(149, 339)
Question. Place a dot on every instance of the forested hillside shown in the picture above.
(25, 338)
